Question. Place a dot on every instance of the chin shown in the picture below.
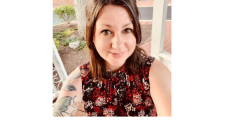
(116, 62)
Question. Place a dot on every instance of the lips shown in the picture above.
(117, 55)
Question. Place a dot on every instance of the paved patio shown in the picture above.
(167, 39)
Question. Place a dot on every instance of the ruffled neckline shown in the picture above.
(110, 73)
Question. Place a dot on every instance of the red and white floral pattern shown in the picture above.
(122, 94)
(141, 113)
(137, 99)
(100, 101)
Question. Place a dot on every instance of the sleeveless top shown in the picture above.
(120, 95)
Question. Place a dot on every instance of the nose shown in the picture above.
(117, 42)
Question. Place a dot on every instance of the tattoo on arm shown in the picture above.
(66, 105)
(68, 86)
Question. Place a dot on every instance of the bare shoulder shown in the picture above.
(159, 74)
(77, 70)
(158, 68)
(73, 80)
(160, 87)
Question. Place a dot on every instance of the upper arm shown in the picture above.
(160, 88)
(70, 95)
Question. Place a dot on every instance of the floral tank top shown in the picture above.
(121, 95)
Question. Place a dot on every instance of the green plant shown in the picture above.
(66, 42)
(81, 38)
(62, 30)
(68, 32)
(65, 13)
(76, 28)
(82, 45)
(56, 43)
(63, 33)
(58, 35)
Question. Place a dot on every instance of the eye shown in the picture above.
(106, 32)
(128, 30)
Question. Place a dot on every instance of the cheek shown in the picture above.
(101, 45)
(131, 43)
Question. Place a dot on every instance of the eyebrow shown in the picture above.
(111, 26)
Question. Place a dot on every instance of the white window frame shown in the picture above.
(158, 32)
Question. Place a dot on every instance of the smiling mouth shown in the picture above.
(117, 55)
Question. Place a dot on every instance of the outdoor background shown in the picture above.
(71, 57)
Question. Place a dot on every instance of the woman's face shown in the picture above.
(114, 36)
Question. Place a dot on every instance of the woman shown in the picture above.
(120, 79)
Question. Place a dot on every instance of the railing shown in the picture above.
(59, 67)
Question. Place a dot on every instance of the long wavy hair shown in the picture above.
(97, 64)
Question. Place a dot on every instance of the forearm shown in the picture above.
(70, 96)
(66, 105)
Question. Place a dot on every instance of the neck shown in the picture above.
(109, 67)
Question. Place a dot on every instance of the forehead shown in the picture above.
(113, 14)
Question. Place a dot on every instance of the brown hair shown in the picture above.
(97, 63)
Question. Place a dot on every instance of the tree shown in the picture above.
(79, 6)
(65, 13)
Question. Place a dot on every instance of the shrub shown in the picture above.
(81, 38)
(62, 30)
(62, 34)
(65, 13)
(82, 45)
(58, 35)
(68, 32)
(56, 43)
(66, 42)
